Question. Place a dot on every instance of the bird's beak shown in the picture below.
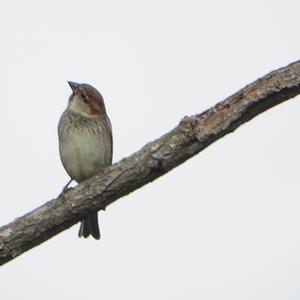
(74, 86)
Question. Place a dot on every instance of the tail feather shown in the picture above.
(90, 226)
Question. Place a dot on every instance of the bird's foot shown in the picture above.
(66, 189)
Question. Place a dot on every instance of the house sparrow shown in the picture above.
(85, 142)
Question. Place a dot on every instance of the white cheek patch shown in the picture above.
(77, 105)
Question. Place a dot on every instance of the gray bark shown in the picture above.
(192, 135)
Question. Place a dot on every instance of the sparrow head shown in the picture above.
(86, 100)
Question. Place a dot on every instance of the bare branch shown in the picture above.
(192, 135)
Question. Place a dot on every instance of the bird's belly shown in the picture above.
(83, 155)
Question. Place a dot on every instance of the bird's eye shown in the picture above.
(84, 98)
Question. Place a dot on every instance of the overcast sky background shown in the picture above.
(224, 225)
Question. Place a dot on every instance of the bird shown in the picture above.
(85, 142)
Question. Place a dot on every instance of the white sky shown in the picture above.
(225, 225)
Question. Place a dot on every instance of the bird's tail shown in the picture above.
(90, 226)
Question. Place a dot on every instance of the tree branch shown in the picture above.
(191, 136)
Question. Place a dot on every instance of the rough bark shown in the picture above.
(191, 136)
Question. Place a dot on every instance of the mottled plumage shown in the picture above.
(85, 141)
